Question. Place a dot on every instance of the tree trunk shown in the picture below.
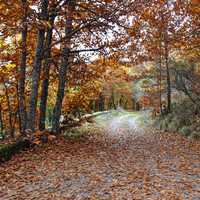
(37, 68)
(113, 101)
(166, 57)
(168, 74)
(63, 67)
(9, 111)
(168, 88)
(96, 105)
(45, 83)
(22, 70)
(160, 80)
(18, 111)
(1, 120)
(60, 91)
(101, 103)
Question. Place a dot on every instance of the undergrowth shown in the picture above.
(184, 119)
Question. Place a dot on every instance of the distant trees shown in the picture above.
(163, 29)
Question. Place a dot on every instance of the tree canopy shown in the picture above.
(62, 55)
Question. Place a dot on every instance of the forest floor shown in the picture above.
(121, 158)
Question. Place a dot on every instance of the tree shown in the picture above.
(22, 67)
(64, 65)
(46, 69)
(43, 16)
(162, 28)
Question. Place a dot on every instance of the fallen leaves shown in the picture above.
(152, 166)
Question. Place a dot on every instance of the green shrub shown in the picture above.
(169, 118)
(75, 133)
(182, 119)
(198, 128)
(8, 150)
(164, 124)
(157, 123)
(2, 136)
(195, 135)
(173, 126)
(185, 130)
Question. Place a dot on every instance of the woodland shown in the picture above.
(100, 99)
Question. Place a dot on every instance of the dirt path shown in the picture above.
(125, 162)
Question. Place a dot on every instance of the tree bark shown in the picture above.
(64, 67)
(22, 70)
(1, 120)
(160, 77)
(37, 68)
(168, 73)
(60, 91)
(9, 111)
(45, 83)
(101, 103)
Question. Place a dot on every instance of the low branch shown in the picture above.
(86, 50)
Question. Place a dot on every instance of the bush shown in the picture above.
(198, 128)
(2, 136)
(8, 150)
(157, 124)
(195, 135)
(183, 119)
(185, 130)
(174, 126)
(165, 124)
(170, 118)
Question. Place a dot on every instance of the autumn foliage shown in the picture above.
(61, 56)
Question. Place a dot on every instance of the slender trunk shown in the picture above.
(133, 104)
(1, 120)
(96, 105)
(113, 101)
(19, 120)
(168, 73)
(63, 67)
(185, 90)
(45, 83)
(160, 80)
(160, 89)
(18, 111)
(60, 91)
(9, 111)
(101, 103)
(37, 68)
(22, 70)
(126, 104)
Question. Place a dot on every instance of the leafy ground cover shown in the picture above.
(119, 159)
